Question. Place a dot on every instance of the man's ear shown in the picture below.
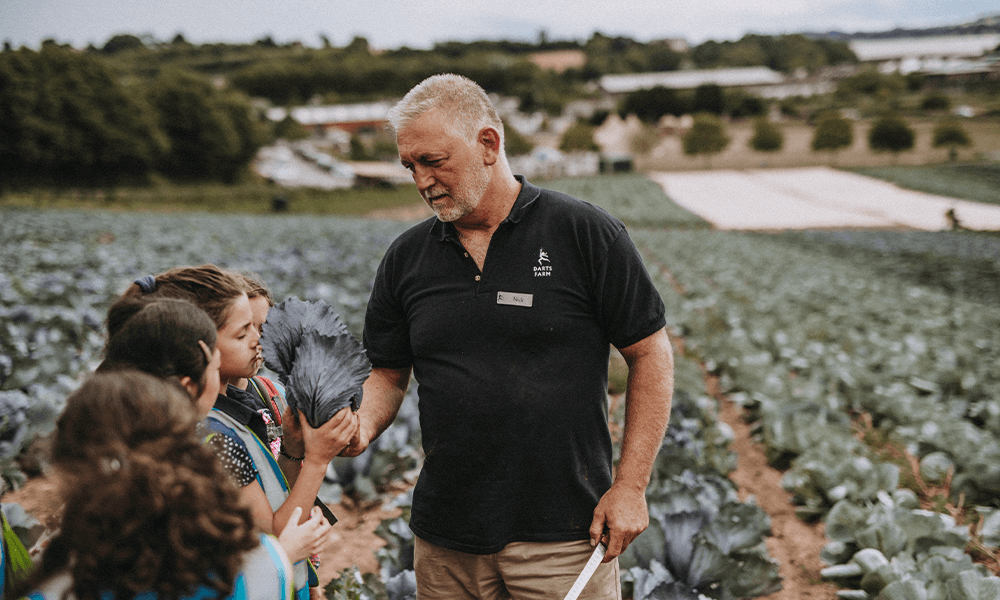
(489, 138)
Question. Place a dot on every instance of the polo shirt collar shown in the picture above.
(525, 200)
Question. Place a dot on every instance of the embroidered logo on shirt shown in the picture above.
(543, 269)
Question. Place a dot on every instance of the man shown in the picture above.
(504, 306)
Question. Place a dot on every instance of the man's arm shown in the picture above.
(622, 515)
(383, 394)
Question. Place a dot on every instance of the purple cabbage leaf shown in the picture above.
(320, 363)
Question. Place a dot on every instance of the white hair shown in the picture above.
(460, 97)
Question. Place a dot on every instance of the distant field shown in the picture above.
(797, 151)
(635, 199)
(970, 181)
(811, 197)
(248, 198)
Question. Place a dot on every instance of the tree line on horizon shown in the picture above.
(294, 74)
(136, 108)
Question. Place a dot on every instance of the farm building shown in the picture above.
(929, 54)
(348, 117)
(761, 81)
(559, 60)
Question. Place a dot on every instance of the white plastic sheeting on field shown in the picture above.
(815, 197)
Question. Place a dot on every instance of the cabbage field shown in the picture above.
(868, 362)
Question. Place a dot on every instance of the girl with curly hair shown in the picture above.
(176, 341)
(148, 511)
(279, 484)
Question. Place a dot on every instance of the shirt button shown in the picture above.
(477, 277)
(466, 255)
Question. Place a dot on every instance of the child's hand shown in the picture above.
(302, 541)
(326, 442)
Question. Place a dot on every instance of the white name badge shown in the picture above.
(513, 299)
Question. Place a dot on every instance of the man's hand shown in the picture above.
(383, 393)
(359, 443)
(619, 518)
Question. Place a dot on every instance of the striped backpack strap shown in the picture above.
(272, 479)
(274, 396)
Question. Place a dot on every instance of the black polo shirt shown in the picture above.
(511, 366)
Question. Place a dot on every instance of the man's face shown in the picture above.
(449, 169)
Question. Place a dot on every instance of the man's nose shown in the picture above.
(423, 177)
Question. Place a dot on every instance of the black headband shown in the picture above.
(147, 283)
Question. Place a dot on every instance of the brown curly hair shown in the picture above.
(148, 507)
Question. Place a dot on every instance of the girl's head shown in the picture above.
(223, 295)
(261, 300)
(212, 289)
(256, 288)
(147, 505)
(168, 338)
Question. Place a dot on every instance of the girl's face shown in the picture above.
(239, 343)
(209, 393)
(259, 306)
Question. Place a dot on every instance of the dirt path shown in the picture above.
(794, 544)
(355, 542)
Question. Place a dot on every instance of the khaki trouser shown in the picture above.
(521, 571)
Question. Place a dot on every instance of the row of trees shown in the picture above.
(832, 133)
(68, 119)
(652, 103)
(868, 90)
(294, 74)
(505, 68)
(135, 108)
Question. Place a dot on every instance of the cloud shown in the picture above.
(391, 23)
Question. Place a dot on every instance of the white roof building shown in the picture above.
(761, 81)
(345, 116)
(682, 80)
(928, 54)
(939, 47)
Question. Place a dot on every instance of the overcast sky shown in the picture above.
(420, 23)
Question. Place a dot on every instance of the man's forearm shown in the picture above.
(383, 394)
(647, 407)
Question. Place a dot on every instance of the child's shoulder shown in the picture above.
(211, 427)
